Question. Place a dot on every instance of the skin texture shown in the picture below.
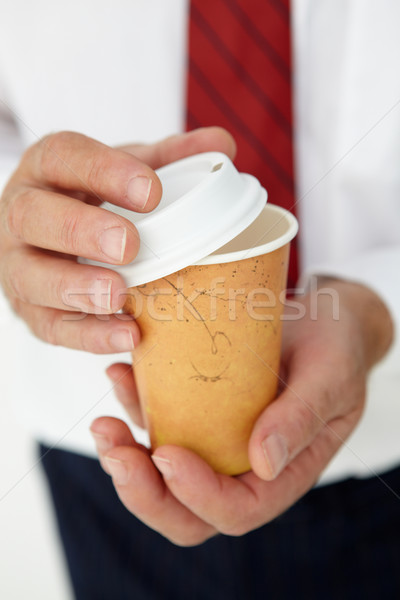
(324, 371)
(50, 213)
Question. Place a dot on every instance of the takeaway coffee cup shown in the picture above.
(207, 289)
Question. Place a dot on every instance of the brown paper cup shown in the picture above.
(208, 361)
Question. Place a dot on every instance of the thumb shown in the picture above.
(289, 425)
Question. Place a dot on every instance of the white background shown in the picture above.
(31, 561)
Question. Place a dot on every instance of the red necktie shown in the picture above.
(240, 78)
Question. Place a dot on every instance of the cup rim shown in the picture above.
(257, 250)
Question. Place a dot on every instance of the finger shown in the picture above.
(63, 224)
(303, 472)
(99, 334)
(205, 139)
(123, 378)
(143, 491)
(237, 505)
(60, 283)
(288, 425)
(108, 433)
(73, 161)
(215, 498)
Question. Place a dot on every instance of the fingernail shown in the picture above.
(118, 470)
(122, 340)
(113, 242)
(276, 453)
(138, 191)
(164, 466)
(100, 294)
(103, 443)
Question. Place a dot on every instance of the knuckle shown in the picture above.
(351, 388)
(15, 211)
(90, 336)
(95, 169)
(4, 208)
(12, 277)
(46, 151)
(237, 523)
(232, 525)
(69, 232)
(53, 149)
(29, 156)
(50, 328)
(14, 283)
(360, 395)
(16, 305)
(85, 342)
(305, 418)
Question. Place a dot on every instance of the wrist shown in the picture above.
(371, 318)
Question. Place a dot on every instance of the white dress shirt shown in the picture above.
(116, 72)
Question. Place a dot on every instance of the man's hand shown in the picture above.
(324, 364)
(50, 214)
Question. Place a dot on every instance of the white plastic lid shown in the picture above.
(206, 202)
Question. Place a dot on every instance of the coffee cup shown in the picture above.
(207, 289)
(208, 361)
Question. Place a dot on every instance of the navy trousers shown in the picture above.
(339, 542)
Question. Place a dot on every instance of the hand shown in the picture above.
(50, 214)
(325, 366)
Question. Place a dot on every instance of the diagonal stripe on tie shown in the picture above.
(241, 70)
(239, 78)
(235, 121)
(282, 7)
(254, 30)
(231, 94)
